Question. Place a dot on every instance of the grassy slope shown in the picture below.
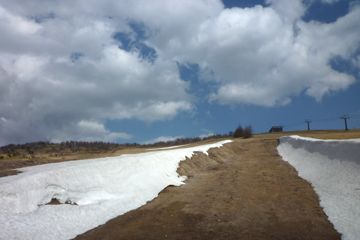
(50, 154)
(240, 191)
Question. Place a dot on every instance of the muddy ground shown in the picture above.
(241, 191)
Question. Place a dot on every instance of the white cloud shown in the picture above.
(10, 22)
(163, 139)
(45, 93)
(206, 135)
(261, 55)
(288, 10)
(57, 94)
(329, 1)
(90, 131)
(266, 55)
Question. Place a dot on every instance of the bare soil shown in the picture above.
(241, 191)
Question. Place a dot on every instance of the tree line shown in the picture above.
(34, 148)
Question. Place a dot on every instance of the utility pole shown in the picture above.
(308, 124)
(345, 118)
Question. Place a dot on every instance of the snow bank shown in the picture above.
(333, 168)
(166, 148)
(97, 190)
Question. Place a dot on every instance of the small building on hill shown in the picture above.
(276, 129)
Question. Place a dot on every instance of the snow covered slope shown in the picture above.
(333, 168)
(96, 190)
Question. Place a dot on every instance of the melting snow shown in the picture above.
(333, 168)
(98, 190)
(166, 148)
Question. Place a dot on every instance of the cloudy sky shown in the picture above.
(135, 71)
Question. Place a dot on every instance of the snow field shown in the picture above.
(97, 190)
(333, 169)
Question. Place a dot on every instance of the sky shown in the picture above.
(144, 71)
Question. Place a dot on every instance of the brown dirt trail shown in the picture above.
(241, 191)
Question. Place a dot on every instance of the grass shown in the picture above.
(321, 134)
(8, 164)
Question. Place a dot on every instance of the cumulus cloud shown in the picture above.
(90, 131)
(163, 139)
(330, 1)
(206, 135)
(48, 94)
(63, 73)
(264, 56)
(288, 10)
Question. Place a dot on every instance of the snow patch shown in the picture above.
(333, 169)
(97, 190)
(166, 148)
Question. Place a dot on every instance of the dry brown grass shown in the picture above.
(241, 191)
(321, 134)
(8, 165)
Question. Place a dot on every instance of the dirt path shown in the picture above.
(242, 191)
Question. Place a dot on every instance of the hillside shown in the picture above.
(241, 189)
(21, 155)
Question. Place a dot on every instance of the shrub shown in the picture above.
(243, 132)
(239, 132)
(247, 132)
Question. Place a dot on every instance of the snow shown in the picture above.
(324, 140)
(333, 169)
(98, 190)
(166, 148)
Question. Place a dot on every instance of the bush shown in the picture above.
(247, 132)
(239, 132)
(243, 132)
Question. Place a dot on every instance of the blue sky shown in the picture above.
(119, 71)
